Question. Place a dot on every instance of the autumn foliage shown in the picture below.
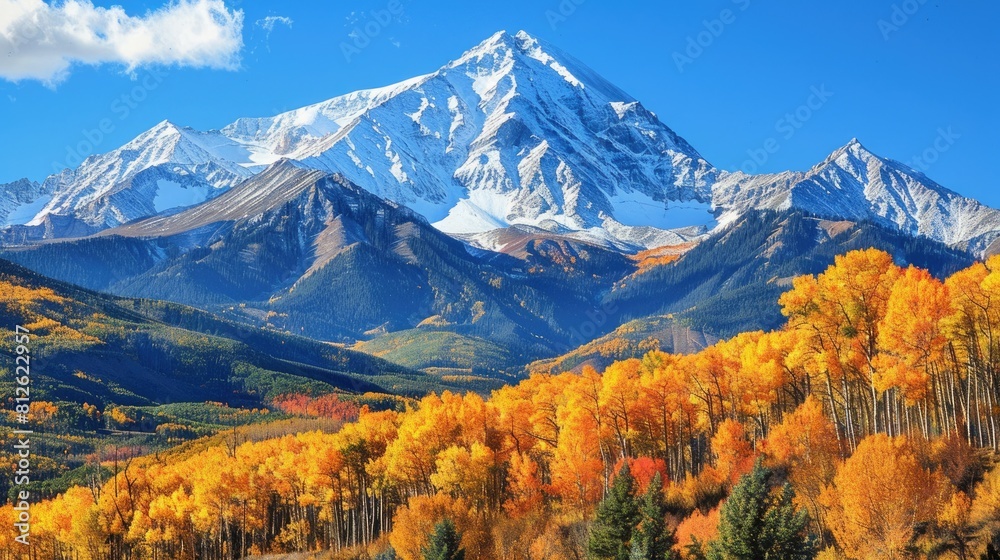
(881, 495)
(324, 406)
(877, 403)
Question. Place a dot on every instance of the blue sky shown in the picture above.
(728, 75)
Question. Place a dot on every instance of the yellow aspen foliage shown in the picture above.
(985, 510)
(697, 527)
(581, 457)
(733, 455)
(869, 351)
(842, 309)
(414, 522)
(955, 526)
(464, 472)
(619, 400)
(911, 333)
(880, 496)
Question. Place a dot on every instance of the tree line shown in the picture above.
(866, 426)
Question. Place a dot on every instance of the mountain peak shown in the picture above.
(514, 132)
(854, 150)
(854, 146)
(502, 40)
(157, 133)
(523, 55)
(499, 42)
(524, 36)
(165, 125)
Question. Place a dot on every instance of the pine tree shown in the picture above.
(757, 525)
(445, 543)
(651, 540)
(786, 528)
(617, 516)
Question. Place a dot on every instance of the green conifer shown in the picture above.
(445, 543)
(617, 516)
(651, 540)
(756, 524)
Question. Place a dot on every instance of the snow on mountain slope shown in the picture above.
(20, 200)
(855, 184)
(512, 132)
(266, 191)
(271, 138)
(161, 169)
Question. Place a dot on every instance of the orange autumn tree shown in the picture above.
(841, 312)
(985, 509)
(666, 415)
(805, 443)
(619, 399)
(973, 331)
(581, 461)
(697, 530)
(881, 495)
(414, 522)
(868, 347)
(913, 343)
(325, 406)
(733, 454)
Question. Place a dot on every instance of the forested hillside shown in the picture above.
(333, 263)
(147, 352)
(870, 415)
(730, 282)
(142, 375)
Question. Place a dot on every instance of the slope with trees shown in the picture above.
(863, 428)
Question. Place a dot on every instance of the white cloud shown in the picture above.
(269, 22)
(43, 41)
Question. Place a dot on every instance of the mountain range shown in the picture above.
(511, 203)
(513, 132)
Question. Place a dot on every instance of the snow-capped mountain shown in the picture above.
(855, 184)
(162, 169)
(512, 133)
(21, 200)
